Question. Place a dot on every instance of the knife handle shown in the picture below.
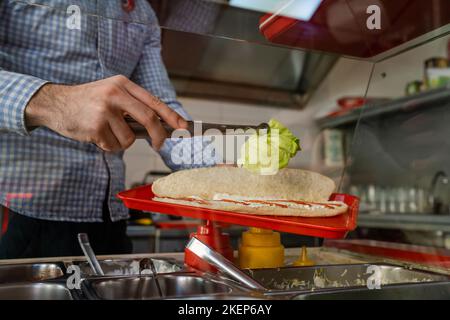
(140, 131)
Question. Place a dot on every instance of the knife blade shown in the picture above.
(197, 128)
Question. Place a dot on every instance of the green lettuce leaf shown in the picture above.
(267, 153)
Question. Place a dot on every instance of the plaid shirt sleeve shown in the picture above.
(152, 75)
(16, 90)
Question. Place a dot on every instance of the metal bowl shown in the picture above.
(34, 291)
(339, 276)
(29, 272)
(142, 288)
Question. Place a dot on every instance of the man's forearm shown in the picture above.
(44, 106)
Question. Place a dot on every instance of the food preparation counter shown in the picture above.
(339, 274)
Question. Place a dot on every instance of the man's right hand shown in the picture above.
(94, 112)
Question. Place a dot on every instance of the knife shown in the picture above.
(196, 128)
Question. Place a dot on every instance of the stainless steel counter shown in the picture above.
(339, 274)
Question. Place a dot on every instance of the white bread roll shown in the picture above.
(205, 183)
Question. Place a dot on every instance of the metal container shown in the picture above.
(125, 267)
(144, 287)
(29, 272)
(34, 291)
(417, 291)
(294, 279)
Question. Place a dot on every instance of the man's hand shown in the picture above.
(94, 112)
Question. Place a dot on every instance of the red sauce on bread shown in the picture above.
(267, 202)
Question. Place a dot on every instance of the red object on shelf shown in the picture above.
(335, 114)
(404, 252)
(211, 235)
(349, 103)
(337, 227)
(346, 105)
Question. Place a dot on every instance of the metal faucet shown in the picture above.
(435, 202)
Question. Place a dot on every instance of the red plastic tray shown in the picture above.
(337, 227)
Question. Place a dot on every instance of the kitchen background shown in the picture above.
(347, 78)
(396, 193)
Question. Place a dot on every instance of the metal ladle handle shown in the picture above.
(83, 239)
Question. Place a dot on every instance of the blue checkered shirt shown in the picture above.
(43, 174)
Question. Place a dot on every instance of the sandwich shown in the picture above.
(289, 192)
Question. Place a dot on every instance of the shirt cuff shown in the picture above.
(16, 90)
